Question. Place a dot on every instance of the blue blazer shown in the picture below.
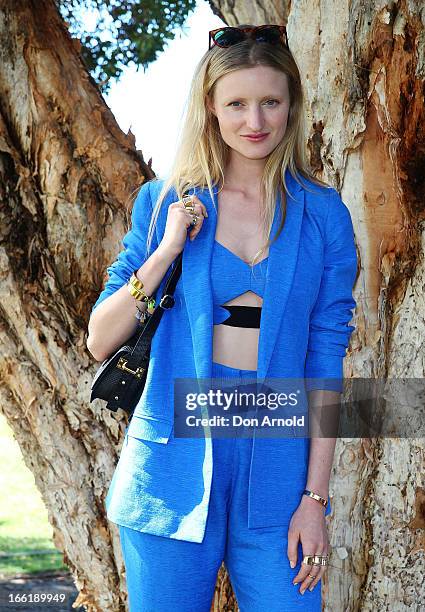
(161, 484)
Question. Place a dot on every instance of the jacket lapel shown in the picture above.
(281, 267)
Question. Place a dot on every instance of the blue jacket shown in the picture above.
(305, 331)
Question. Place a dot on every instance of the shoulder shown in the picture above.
(316, 197)
(156, 185)
(325, 202)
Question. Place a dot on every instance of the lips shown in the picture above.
(257, 137)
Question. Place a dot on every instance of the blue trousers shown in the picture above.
(165, 574)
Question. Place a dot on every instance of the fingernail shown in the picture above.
(302, 592)
(294, 581)
(292, 564)
(311, 588)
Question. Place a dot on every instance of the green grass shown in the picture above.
(24, 526)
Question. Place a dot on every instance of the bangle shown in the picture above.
(135, 288)
(315, 496)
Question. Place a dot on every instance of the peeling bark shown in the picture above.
(67, 175)
(362, 65)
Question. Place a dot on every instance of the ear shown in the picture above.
(210, 104)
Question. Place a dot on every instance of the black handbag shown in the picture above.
(121, 378)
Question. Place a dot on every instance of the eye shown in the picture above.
(237, 102)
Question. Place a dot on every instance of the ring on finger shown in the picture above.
(194, 219)
(187, 202)
(187, 199)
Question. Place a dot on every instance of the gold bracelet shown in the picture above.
(317, 497)
(135, 287)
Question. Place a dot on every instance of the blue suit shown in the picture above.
(162, 483)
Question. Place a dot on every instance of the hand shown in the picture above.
(178, 221)
(308, 524)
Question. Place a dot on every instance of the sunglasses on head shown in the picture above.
(228, 36)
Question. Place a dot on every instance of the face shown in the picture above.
(252, 101)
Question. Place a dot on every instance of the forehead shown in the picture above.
(253, 82)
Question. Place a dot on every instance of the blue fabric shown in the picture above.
(305, 331)
(231, 277)
(165, 574)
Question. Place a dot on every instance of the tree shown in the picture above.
(127, 32)
(67, 175)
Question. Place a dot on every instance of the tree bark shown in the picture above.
(363, 74)
(67, 175)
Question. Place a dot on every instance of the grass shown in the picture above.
(25, 532)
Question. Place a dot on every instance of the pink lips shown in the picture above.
(256, 138)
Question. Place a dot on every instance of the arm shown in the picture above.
(329, 338)
(328, 341)
(112, 319)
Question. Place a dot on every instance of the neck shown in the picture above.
(244, 174)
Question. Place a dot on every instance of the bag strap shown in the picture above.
(166, 302)
(145, 335)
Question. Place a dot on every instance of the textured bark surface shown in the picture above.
(67, 172)
(363, 70)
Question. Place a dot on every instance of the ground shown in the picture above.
(54, 583)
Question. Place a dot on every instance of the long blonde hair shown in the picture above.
(202, 154)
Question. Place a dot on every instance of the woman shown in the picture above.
(183, 505)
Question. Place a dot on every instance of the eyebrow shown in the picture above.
(267, 97)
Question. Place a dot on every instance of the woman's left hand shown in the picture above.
(308, 524)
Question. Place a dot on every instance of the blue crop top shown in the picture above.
(231, 277)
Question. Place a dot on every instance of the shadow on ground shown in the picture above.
(55, 592)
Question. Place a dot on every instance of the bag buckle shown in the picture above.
(122, 365)
(167, 301)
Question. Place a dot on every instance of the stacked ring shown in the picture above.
(315, 559)
(188, 204)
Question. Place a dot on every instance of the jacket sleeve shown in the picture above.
(329, 332)
(135, 241)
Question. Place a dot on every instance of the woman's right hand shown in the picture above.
(178, 221)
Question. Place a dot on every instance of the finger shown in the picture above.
(303, 573)
(316, 571)
(306, 584)
(314, 582)
(195, 228)
(201, 205)
(321, 569)
(305, 569)
(291, 551)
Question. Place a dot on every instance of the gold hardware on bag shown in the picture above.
(122, 365)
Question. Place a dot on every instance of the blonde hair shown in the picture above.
(202, 154)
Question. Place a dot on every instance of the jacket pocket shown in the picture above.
(149, 428)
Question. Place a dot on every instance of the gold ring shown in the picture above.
(187, 201)
(315, 559)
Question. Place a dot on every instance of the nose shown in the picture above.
(255, 119)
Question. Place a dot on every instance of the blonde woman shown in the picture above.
(269, 263)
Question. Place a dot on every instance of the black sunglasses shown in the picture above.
(228, 36)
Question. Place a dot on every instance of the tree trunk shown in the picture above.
(67, 174)
(363, 73)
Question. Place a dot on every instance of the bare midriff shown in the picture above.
(237, 347)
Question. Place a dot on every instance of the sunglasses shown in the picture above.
(228, 36)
